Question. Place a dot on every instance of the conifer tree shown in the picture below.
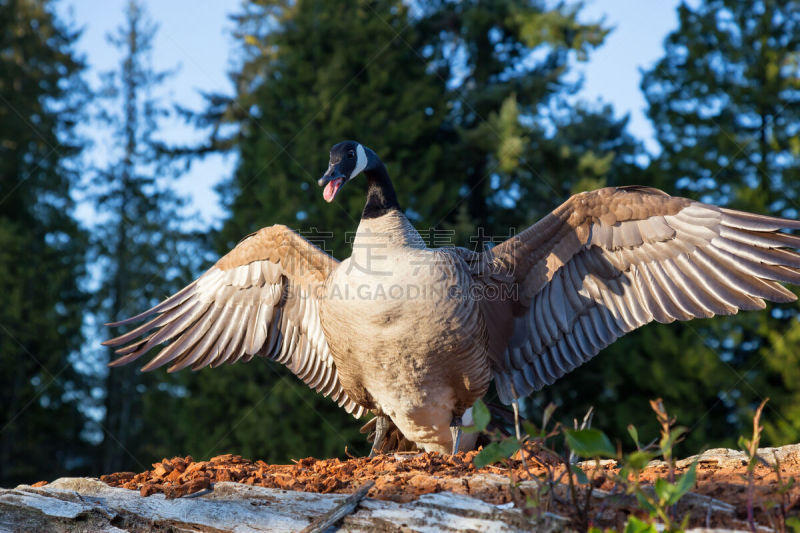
(42, 248)
(331, 71)
(142, 252)
(506, 64)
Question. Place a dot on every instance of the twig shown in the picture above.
(753, 452)
(340, 511)
(572, 496)
(348, 454)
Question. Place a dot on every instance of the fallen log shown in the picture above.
(70, 505)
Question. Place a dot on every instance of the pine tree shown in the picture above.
(589, 148)
(506, 64)
(141, 251)
(724, 101)
(331, 71)
(42, 248)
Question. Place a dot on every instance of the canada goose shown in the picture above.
(417, 334)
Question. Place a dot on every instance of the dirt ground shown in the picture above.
(404, 476)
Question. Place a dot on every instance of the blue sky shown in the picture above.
(194, 35)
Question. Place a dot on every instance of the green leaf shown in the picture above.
(589, 443)
(481, 416)
(684, 484)
(674, 436)
(509, 447)
(744, 444)
(663, 489)
(529, 428)
(580, 475)
(495, 451)
(639, 459)
(787, 486)
(635, 525)
(548, 414)
(634, 434)
(644, 503)
(669, 493)
(794, 524)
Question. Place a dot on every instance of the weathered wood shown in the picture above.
(70, 505)
(340, 511)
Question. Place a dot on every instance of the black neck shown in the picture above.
(381, 197)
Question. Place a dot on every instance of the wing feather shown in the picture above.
(200, 349)
(256, 300)
(609, 261)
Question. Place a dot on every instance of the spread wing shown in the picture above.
(608, 261)
(259, 299)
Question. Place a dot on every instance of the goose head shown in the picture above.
(348, 160)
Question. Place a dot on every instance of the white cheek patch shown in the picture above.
(361, 161)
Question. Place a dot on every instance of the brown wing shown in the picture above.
(259, 299)
(608, 261)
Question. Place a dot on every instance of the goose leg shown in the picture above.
(515, 405)
(381, 428)
(455, 431)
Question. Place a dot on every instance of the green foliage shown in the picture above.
(495, 452)
(666, 492)
(512, 65)
(669, 360)
(42, 247)
(589, 443)
(634, 525)
(669, 493)
(639, 459)
(481, 415)
(724, 102)
(664, 496)
(658, 501)
(750, 447)
(783, 365)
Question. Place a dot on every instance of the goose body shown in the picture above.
(415, 335)
(390, 287)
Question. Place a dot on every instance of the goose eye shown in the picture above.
(351, 154)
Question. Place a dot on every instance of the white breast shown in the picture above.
(400, 325)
